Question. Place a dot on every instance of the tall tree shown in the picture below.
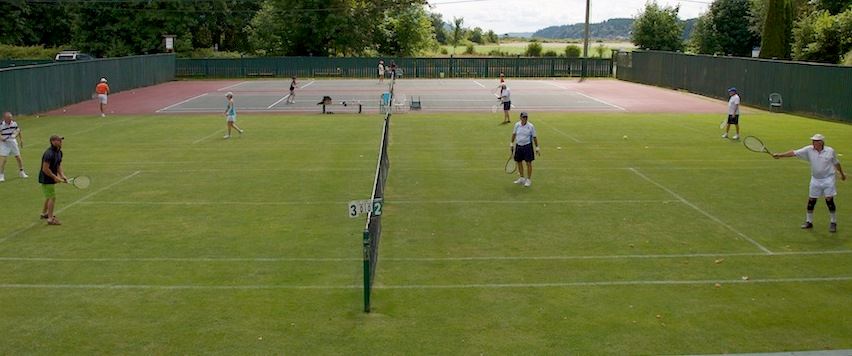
(458, 32)
(438, 27)
(774, 42)
(821, 37)
(658, 28)
(725, 29)
(406, 33)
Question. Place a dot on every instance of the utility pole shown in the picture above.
(586, 42)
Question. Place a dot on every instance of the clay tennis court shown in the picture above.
(434, 95)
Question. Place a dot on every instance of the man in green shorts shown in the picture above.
(50, 174)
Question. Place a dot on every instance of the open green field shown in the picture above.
(187, 243)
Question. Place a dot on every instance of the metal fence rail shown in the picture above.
(349, 67)
(808, 88)
(39, 88)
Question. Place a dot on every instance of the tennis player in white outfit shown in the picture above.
(824, 168)
(10, 134)
(523, 137)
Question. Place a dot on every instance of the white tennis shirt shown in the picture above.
(524, 133)
(734, 105)
(7, 130)
(822, 163)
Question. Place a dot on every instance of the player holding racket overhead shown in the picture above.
(50, 174)
(824, 166)
(523, 137)
(505, 97)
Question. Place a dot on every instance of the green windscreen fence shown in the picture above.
(38, 88)
(350, 67)
(807, 88)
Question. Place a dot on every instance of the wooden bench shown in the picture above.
(343, 105)
(337, 73)
(260, 74)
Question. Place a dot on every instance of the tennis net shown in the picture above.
(373, 229)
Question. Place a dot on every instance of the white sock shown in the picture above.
(810, 217)
(833, 216)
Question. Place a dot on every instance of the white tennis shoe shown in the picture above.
(520, 180)
(736, 137)
(226, 136)
(2, 177)
(527, 182)
(724, 135)
(23, 174)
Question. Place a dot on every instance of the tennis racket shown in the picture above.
(80, 182)
(510, 167)
(495, 108)
(724, 122)
(754, 144)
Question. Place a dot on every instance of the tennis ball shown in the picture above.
(625, 137)
(559, 148)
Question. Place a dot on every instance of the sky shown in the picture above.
(504, 16)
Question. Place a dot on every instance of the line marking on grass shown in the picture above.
(275, 203)
(78, 201)
(577, 140)
(584, 95)
(208, 136)
(279, 100)
(698, 209)
(708, 282)
(182, 102)
(478, 83)
(419, 259)
(100, 126)
(232, 86)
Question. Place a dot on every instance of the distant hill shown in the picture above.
(612, 29)
(520, 34)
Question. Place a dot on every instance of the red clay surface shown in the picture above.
(631, 97)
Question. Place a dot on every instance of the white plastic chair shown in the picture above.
(775, 101)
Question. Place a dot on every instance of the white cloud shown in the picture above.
(530, 15)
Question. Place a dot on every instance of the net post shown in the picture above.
(367, 278)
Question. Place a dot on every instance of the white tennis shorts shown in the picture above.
(9, 148)
(232, 118)
(102, 98)
(822, 187)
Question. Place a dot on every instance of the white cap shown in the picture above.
(229, 94)
(817, 137)
(103, 80)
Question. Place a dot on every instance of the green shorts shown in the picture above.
(49, 190)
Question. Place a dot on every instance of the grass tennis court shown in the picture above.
(187, 243)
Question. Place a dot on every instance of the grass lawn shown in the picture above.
(188, 243)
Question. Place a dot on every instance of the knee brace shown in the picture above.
(831, 206)
(811, 204)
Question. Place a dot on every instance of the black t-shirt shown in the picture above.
(53, 157)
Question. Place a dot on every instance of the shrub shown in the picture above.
(550, 53)
(572, 51)
(534, 49)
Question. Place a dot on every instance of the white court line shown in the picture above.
(587, 96)
(279, 100)
(285, 203)
(182, 102)
(421, 259)
(602, 102)
(78, 201)
(101, 126)
(560, 131)
(425, 286)
(307, 85)
(712, 217)
(480, 84)
(231, 86)
(208, 136)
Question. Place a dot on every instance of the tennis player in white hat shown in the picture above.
(824, 168)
